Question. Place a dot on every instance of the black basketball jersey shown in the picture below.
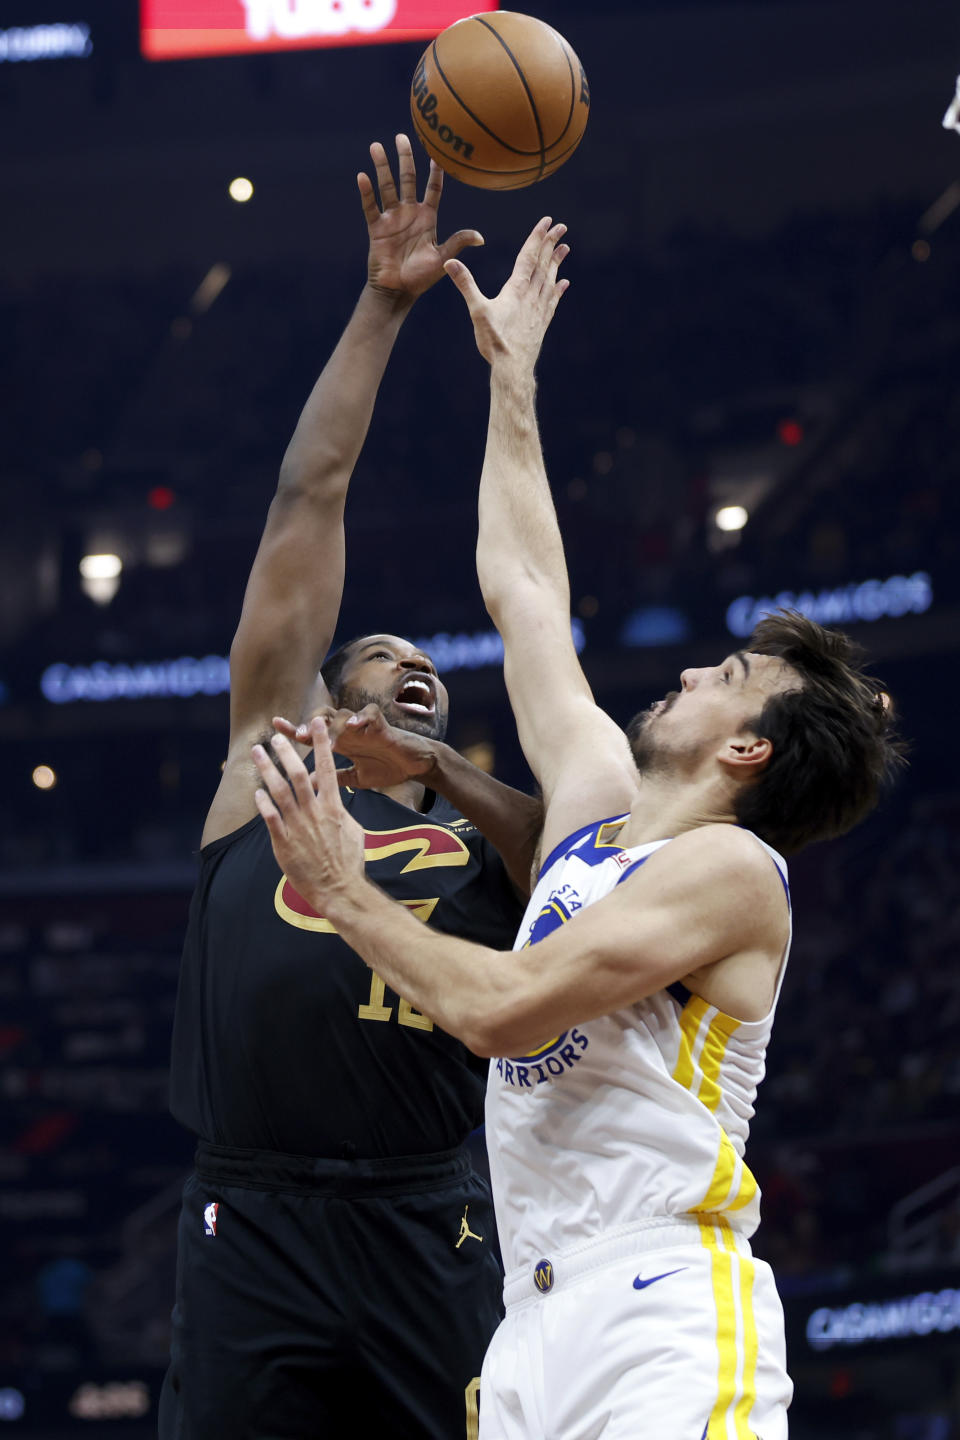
(283, 1038)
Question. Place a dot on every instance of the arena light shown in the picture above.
(172, 30)
(44, 777)
(101, 567)
(731, 517)
(241, 190)
(100, 577)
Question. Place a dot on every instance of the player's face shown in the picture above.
(713, 704)
(387, 671)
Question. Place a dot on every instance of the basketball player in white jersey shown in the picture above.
(629, 1027)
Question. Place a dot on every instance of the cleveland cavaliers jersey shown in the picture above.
(284, 1039)
(638, 1115)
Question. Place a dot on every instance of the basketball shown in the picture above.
(500, 100)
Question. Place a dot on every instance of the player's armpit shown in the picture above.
(709, 909)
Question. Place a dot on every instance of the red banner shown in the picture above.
(183, 29)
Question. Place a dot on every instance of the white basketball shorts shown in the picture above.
(665, 1330)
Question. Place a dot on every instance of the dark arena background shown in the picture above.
(762, 333)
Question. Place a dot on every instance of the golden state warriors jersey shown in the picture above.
(639, 1115)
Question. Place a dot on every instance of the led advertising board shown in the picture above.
(185, 29)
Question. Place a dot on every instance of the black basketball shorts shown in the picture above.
(319, 1299)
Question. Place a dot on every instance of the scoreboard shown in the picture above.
(183, 29)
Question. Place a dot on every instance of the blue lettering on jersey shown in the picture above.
(562, 904)
(550, 1062)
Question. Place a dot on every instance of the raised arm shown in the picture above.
(293, 595)
(579, 756)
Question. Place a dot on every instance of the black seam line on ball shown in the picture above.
(523, 81)
(476, 118)
(573, 94)
(430, 145)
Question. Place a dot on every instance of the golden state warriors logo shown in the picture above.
(543, 1276)
(549, 1061)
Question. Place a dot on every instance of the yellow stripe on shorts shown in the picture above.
(719, 1196)
(737, 1344)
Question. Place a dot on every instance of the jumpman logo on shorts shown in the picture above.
(465, 1232)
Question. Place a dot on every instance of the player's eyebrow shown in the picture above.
(741, 656)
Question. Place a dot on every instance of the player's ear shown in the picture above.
(745, 756)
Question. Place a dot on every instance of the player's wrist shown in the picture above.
(513, 374)
(393, 303)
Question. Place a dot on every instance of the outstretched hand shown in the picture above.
(382, 755)
(512, 324)
(317, 844)
(405, 259)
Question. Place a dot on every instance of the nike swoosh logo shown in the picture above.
(641, 1284)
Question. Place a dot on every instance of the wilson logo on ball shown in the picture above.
(427, 103)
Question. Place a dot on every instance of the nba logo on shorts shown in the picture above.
(543, 1275)
(210, 1217)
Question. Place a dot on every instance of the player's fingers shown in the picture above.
(548, 249)
(370, 717)
(526, 261)
(324, 766)
(270, 813)
(385, 182)
(465, 283)
(273, 782)
(431, 195)
(368, 200)
(452, 247)
(406, 168)
(296, 770)
(287, 727)
(559, 290)
(556, 260)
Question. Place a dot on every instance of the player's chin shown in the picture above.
(432, 725)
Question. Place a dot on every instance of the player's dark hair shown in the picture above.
(834, 738)
(331, 671)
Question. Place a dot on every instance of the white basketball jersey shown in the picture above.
(639, 1115)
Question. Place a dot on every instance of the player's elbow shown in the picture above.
(504, 1028)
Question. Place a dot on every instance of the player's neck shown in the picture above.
(410, 793)
(665, 807)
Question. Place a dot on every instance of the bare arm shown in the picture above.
(383, 756)
(293, 595)
(709, 908)
(579, 756)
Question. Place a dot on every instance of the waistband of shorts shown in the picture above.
(661, 1232)
(302, 1174)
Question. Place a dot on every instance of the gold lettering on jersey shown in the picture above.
(472, 1397)
(376, 1009)
(416, 1020)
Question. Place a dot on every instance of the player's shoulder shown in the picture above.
(723, 855)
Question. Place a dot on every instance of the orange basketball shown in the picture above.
(500, 100)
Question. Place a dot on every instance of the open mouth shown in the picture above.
(416, 696)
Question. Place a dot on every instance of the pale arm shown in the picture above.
(580, 758)
(709, 905)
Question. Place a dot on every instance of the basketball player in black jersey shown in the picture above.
(337, 1270)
